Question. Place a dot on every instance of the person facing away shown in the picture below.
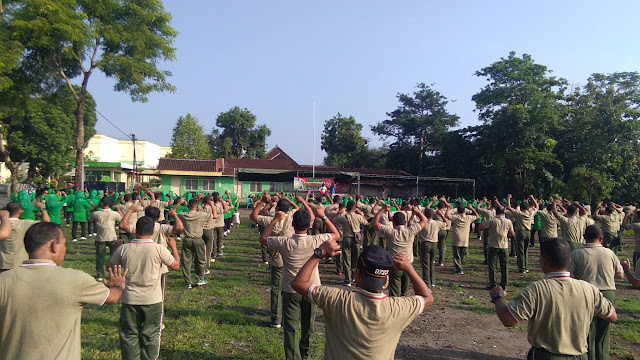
(555, 332)
(598, 266)
(41, 302)
(363, 323)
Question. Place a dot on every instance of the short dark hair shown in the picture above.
(152, 212)
(106, 201)
(13, 208)
(571, 210)
(193, 203)
(157, 195)
(301, 220)
(341, 206)
(351, 205)
(127, 197)
(461, 209)
(283, 205)
(524, 206)
(40, 234)
(550, 207)
(145, 226)
(441, 205)
(556, 252)
(499, 210)
(399, 218)
(135, 196)
(592, 233)
(429, 213)
(336, 198)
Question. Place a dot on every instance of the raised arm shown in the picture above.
(508, 204)
(308, 209)
(178, 226)
(400, 262)
(124, 224)
(45, 215)
(376, 219)
(302, 282)
(422, 220)
(175, 265)
(627, 271)
(267, 231)
(5, 225)
(331, 229)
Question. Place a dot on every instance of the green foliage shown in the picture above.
(240, 137)
(518, 107)
(188, 140)
(417, 127)
(342, 142)
(588, 185)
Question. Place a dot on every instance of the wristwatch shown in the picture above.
(495, 296)
(318, 253)
(324, 217)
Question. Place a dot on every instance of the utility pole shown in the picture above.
(135, 164)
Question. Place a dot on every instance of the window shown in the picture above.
(208, 184)
(255, 187)
(275, 187)
(116, 176)
(191, 184)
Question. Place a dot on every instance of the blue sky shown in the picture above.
(277, 57)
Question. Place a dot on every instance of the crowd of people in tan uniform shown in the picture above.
(372, 241)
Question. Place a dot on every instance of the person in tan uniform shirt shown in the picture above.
(635, 226)
(428, 238)
(282, 228)
(105, 225)
(161, 205)
(351, 223)
(548, 222)
(555, 332)
(368, 210)
(42, 300)
(460, 223)
(161, 232)
(12, 251)
(571, 224)
(399, 239)
(124, 208)
(610, 225)
(599, 267)
(295, 250)
(363, 323)
(522, 220)
(193, 248)
(500, 229)
(486, 213)
(140, 323)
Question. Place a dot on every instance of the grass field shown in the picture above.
(228, 318)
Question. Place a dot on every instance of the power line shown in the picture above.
(114, 125)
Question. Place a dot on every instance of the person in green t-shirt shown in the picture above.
(53, 203)
(80, 208)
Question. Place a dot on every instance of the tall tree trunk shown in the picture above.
(80, 145)
(6, 159)
(15, 179)
(31, 173)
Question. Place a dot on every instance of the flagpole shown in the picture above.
(313, 167)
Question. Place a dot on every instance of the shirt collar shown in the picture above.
(37, 262)
(299, 235)
(592, 245)
(142, 241)
(399, 227)
(369, 294)
(555, 275)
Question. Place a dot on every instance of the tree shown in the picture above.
(519, 106)
(588, 185)
(64, 39)
(188, 140)
(417, 127)
(240, 137)
(600, 131)
(41, 131)
(342, 142)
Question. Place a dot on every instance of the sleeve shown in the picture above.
(116, 216)
(415, 229)
(264, 220)
(320, 238)
(116, 258)
(167, 230)
(406, 309)
(523, 306)
(165, 255)
(617, 266)
(571, 268)
(604, 308)
(90, 290)
(323, 296)
(385, 230)
(362, 220)
(275, 242)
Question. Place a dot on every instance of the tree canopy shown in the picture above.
(236, 135)
(342, 142)
(189, 140)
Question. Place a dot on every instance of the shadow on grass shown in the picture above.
(196, 355)
(428, 352)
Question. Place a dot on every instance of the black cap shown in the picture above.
(376, 264)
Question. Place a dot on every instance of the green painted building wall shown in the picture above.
(169, 182)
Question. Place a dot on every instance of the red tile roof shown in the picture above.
(187, 165)
(278, 154)
(367, 171)
(231, 164)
